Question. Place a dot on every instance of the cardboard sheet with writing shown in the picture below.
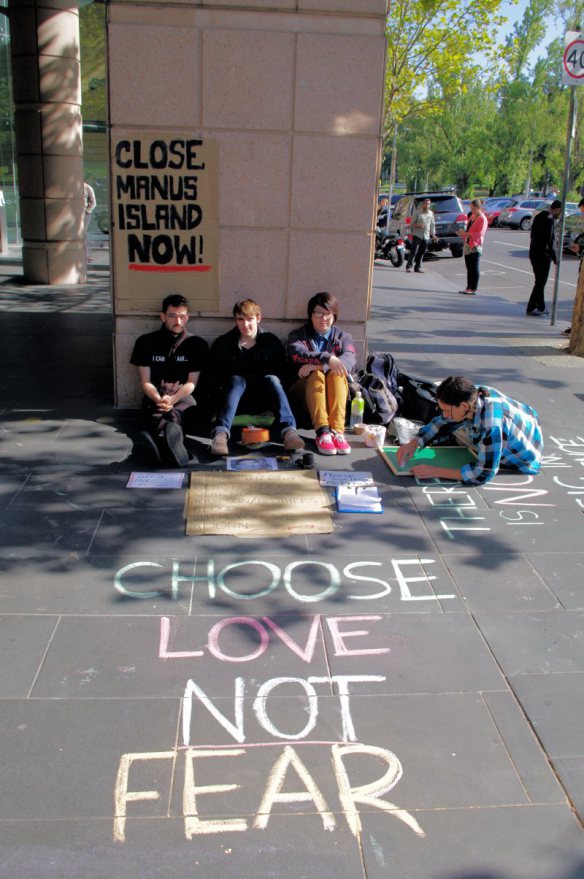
(165, 214)
(258, 504)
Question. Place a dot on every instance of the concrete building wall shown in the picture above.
(48, 132)
(292, 92)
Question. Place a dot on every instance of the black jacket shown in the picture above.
(542, 243)
(267, 357)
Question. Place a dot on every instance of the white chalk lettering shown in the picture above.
(450, 529)
(404, 581)
(521, 498)
(348, 572)
(121, 793)
(194, 825)
(370, 794)
(273, 793)
(338, 637)
(259, 707)
(236, 728)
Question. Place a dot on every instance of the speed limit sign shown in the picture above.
(573, 61)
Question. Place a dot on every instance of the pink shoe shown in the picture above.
(341, 444)
(325, 444)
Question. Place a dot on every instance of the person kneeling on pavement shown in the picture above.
(321, 357)
(248, 364)
(503, 432)
(169, 361)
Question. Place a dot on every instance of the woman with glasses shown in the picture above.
(501, 431)
(321, 357)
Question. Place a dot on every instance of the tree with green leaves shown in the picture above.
(434, 46)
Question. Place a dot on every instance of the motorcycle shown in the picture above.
(389, 246)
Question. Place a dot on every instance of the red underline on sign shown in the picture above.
(135, 267)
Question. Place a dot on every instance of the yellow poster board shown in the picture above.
(258, 504)
(165, 218)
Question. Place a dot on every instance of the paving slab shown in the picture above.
(495, 843)
(61, 757)
(57, 489)
(563, 573)
(535, 643)
(73, 583)
(93, 657)
(285, 849)
(554, 705)
(26, 534)
(417, 653)
(516, 586)
(23, 644)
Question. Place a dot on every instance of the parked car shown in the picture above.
(573, 226)
(493, 209)
(449, 217)
(519, 214)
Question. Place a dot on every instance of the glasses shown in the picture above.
(326, 314)
(174, 316)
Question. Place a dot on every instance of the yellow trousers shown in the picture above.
(326, 399)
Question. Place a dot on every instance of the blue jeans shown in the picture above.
(265, 392)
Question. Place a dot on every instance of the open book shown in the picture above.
(358, 499)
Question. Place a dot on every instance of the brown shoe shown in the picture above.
(292, 442)
(219, 445)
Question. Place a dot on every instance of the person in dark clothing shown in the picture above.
(169, 361)
(248, 364)
(542, 252)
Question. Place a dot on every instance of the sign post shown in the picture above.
(572, 75)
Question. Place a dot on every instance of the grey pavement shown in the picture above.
(400, 698)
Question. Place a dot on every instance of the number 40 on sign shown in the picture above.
(573, 61)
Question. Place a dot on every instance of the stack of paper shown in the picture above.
(358, 499)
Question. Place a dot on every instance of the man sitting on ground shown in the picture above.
(248, 364)
(502, 432)
(169, 361)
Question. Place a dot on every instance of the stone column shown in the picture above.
(49, 141)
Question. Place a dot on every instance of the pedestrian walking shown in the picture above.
(423, 231)
(90, 203)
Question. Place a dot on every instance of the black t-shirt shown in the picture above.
(154, 350)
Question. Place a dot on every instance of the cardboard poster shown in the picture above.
(165, 220)
(258, 504)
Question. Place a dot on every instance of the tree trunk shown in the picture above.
(576, 345)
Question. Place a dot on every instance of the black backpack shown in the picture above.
(417, 398)
(380, 403)
(383, 365)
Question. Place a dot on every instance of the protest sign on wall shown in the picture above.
(165, 220)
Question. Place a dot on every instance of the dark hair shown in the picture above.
(477, 202)
(326, 301)
(175, 300)
(247, 308)
(457, 389)
(581, 202)
(555, 204)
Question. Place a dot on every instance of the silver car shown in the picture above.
(519, 214)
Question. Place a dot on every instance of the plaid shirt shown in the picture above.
(503, 433)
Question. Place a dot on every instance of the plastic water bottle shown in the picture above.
(357, 409)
